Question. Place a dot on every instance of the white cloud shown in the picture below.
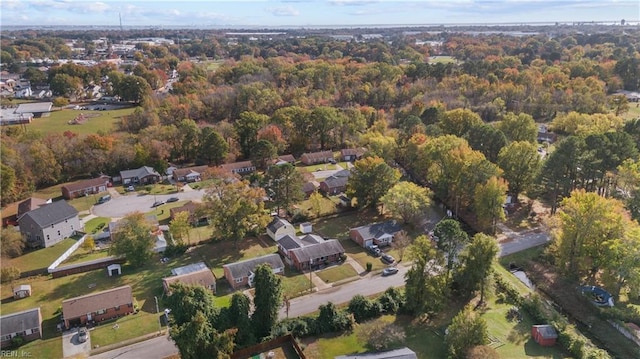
(283, 11)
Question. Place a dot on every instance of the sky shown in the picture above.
(274, 13)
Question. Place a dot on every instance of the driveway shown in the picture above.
(72, 347)
(131, 202)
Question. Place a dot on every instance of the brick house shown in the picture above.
(190, 207)
(333, 185)
(193, 274)
(190, 174)
(241, 274)
(97, 307)
(316, 255)
(316, 157)
(26, 324)
(142, 175)
(240, 168)
(49, 224)
(377, 233)
(81, 188)
(351, 154)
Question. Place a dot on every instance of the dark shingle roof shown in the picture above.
(323, 249)
(17, 322)
(318, 155)
(139, 172)
(336, 182)
(287, 242)
(242, 268)
(53, 213)
(376, 230)
(402, 353)
(276, 224)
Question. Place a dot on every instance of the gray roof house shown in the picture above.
(377, 233)
(142, 175)
(240, 274)
(49, 224)
(316, 255)
(27, 324)
(279, 227)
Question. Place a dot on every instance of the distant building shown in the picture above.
(82, 188)
(142, 175)
(240, 168)
(316, 157)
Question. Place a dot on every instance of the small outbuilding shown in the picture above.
(306, 227)
(22, 291)
(545, 335)
(114, 270)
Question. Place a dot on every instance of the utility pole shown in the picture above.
(158, 312)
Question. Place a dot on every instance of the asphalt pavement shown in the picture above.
(120, 206)
(156, 348)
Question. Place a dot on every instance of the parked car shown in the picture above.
(83, 334)
(173, 199)
(387, 258)
(389, 271)
(104, 199)
(374, 250)
(130, 189)
(157, 204)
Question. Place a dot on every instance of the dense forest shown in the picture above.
(451, 124)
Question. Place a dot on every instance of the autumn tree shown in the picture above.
(587, 222)
(11, 242)
(323, 121)
(520, 162)
(622, 265)
(235, 209)
(263, 153)
(133, 240)
(425, 281)
(284, 185)
(316, 203)
(247, 127)
(180, 227)
(450, 239)
(467, 330)
(370, 180)
(408, 202)
(488, 202)
(487, 139)
(267, 300)
(520, 127)
(459, 121)
(477, 259)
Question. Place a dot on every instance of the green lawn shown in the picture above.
(338, 227)
(58, 120)
(85, 203)
(96, 224)
(128, 327)
(634, 111)
(164, 212)
(43, 348)
(319, 167)
(337, 273)
(41, 258)
(82, 255)
(295, 284)
(327, 206)
(442, 59)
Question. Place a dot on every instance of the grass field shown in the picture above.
(57, 122)
(336, 273)
(634, 112)
(40, 258)
(131, 326)
(327, 206)
(442, 59)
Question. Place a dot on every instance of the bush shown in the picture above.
(332, 320)
(382, 336)
(369, 266)
(392, 300)
(364, 309)
(8, 274)
(17, 341)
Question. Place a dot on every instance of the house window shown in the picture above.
(6, 337)
(58, 232)
(239, 280)
(101, 311)
(48, 237)
(35, 330)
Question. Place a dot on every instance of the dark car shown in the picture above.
(387, 258)
(83, 334)
(374, 250)
(173, 199)
(157, 204)
(389, 271)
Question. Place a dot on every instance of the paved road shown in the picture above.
(122, 205)
(156, 348)
(518, 242)
(367, 285)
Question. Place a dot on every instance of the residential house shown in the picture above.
(402, 353)
(351, 154)
(30, 204)
(544, 135)
(333, 185)
(97, 307)
(309, 187)
(279, 227)
(316, 255)
(82, 188)
(190, 174)
(22, 291)
(240, 274)
(49, 224)
(142, 175)
(193, 209)
(193, 274)
(240, 168)
(316, 157)
(380, 234)
(26, 324)
(287, 158)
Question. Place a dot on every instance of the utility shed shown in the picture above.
(544, 335)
